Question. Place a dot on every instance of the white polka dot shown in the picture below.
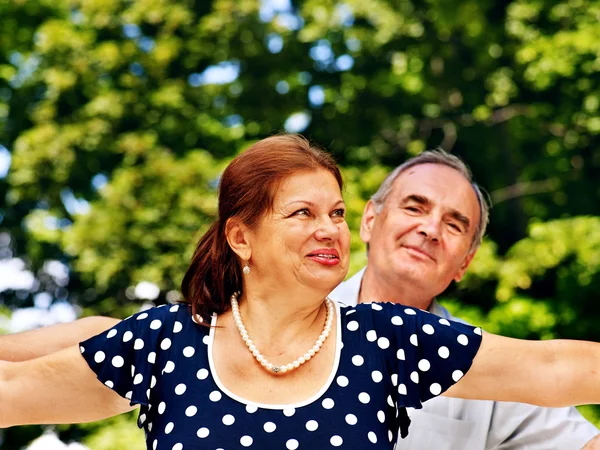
(169, 367)
(150, 426)
(444, 322)
(397, 320)
(402, 389)
(358, 360)
(414, 377)
(477, 331)
(352, 326)
(292, 444)
(312, 425)
(383, 343)
(205, 339)
(169, 427)
(377, 376)
(381, 416)
(462, 339)
(435, 389)
(165, 344)
(142, 316)
(112, 333)
(351, 419)
(390, 436)
(400, 354)
(138, 344)
(251, 409)
(457, 375)
(161, 407)
(215, 396)
(414, 340)
(132, 370)
(202, 374)
(138, 378)
(99, 357)
(151, 357)
(342, 381)
(188, 352)
(289, 412)
(177, 447)
(390, 401)
(203, 432)
(127, 336)
(177, 327)
(180, 389)
(363, 397)
(142, 418)
(174, 308)
(269, 427)
(376, 307)
(428, 329)
(155, 324)
(371, 335)
(394, 379)
(352, 311)
(410, 312)
(336, 441)
(246, 441)
(109, 383)
(81, 349)
(155, 444)
(444, 352)
(129, 395)
(424, 365)
(372, 437)
(328, 403)
(228, 419)
(118, 361)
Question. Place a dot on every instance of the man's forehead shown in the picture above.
(439, 184)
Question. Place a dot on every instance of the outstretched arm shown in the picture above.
(43, 341)
(58, 388)
(546, 373)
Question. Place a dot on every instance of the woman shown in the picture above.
(261, 358)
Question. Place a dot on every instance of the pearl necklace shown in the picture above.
(261, 359)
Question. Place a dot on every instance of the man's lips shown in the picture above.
(419, 251)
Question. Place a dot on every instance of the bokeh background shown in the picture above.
(117, 116)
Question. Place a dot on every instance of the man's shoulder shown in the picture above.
(347, 291)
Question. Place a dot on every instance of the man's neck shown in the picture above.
(377, 288)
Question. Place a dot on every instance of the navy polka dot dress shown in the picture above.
(388, 357)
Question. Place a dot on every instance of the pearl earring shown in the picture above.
(246, 268)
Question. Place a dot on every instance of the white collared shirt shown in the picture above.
(447, 423)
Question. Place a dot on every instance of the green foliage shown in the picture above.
(118, 133)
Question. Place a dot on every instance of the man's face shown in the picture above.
(424, 230)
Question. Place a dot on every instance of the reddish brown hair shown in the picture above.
(246, 192)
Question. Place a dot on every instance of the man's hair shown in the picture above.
(438, 156)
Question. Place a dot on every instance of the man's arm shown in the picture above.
(43, 341)
(515, 426)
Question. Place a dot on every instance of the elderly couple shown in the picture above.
(280, 240)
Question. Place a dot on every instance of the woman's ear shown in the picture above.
(238, 238)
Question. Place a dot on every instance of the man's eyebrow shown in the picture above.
(420, 199)
(460, 217)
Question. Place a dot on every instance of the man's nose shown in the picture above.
(430, 229)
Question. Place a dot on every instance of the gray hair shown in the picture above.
(438, 156)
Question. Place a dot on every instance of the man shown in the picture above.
(422, 229)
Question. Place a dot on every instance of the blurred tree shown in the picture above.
(118, 116)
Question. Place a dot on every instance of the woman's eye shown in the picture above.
(302, 212)
(339, 212)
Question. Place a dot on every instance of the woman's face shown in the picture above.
(304, 238)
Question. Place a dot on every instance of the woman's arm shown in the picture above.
(58, 388)
(550, 373)
(43, 341)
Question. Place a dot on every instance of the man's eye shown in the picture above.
(412, 209)
(455, 227)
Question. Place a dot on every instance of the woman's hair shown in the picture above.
(246, 191)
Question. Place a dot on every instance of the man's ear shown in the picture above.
(367, 221)
(238, 238)
(465, 265)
